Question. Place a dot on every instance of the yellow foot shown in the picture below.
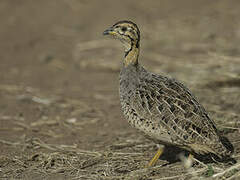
(155, 158)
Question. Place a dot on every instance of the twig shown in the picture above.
(234, 176)
(9, 143)
(178, 176)
(227, 170)
(219, 56)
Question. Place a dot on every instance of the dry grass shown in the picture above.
(109, 164)
(60, 116)
(124, 159)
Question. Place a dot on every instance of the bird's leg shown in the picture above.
(190, 156)
(156, 157)
(187, 161)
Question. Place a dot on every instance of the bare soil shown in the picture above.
(60, 114)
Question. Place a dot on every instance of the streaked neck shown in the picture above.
(131, 56)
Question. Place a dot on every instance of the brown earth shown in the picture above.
(60, 115)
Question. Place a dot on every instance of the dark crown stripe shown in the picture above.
(132, 23)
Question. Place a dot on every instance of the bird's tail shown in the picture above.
(227, 147)
(223, 150)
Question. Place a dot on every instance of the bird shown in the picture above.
(161, 107)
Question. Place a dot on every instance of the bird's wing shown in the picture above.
(169, 104)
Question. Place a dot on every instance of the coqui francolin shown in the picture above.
(161, 107)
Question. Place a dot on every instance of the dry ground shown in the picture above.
(60, 115)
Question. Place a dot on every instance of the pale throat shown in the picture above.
(131, 54)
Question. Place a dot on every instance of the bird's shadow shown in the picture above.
(172, 155)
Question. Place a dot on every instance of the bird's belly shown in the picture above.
(158, 135)
(153, 131)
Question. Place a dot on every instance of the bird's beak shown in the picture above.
(109, 31)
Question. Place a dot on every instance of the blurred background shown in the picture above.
(59, 75)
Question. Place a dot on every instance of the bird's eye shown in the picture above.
(123, 28)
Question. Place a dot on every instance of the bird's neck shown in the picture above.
(131, 56)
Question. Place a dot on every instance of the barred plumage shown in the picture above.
(161, 107)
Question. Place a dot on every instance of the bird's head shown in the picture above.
(127, 32)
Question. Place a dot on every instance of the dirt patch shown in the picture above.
(60, 114)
